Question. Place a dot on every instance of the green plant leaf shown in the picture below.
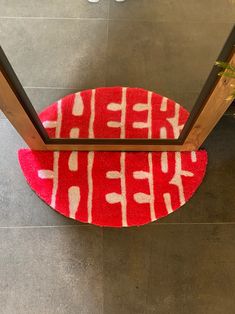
(228, 71)
(225, 65)
(227, 74)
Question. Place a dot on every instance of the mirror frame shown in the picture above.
(208, 109)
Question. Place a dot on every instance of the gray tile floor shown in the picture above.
(183, 264)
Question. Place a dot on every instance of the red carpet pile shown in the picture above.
(116, 189)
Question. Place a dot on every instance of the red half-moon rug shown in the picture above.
(116, 189)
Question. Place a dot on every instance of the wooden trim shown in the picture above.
(15, 113)
(210, 84)
(209, 108)
(214, 109)
(133, 148)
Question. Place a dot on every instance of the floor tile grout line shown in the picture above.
(105, 19)
(103, 270)
(61, 87)
(144, 226)
(105, 83)
(43, 227)
(3, 117)
(196, 223)
(50, 87)
(53, 18)
(107, 45)
(149, 277)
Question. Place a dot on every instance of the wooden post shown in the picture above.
(215, 107)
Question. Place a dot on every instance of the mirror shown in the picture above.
(165, 48)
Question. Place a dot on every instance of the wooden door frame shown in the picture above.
(208, 109)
